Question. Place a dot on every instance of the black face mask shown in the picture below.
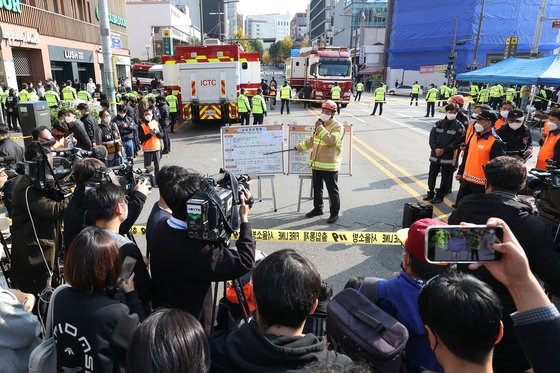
(48, 143)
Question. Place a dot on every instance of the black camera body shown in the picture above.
(213, 213)
(125, 175)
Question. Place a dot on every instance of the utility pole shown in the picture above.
(538, 30)
(201, 22)
(107, 76)
(450, 77)
(474, 64)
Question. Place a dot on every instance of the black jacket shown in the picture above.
(76, 218)
(307, 91)
(535, 238)
(183, 268)
(463, 119)
(447, 135)
(11, 149)
(541, 342)
(102, 324)
(78, 130)
(517, 141)
(90, 124)
(249, 350)
(126, 127)
(164, 115)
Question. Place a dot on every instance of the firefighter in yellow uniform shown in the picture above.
(51, 96)
(359, 90)
(414, 93)
(259, 107)
(23, 95)
(173, 103)
(379, 95)
(326, 157)
(335, 95)
(68, 92)
(243, 107)
(285, 96)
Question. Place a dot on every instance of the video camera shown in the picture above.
(124, 175)
(213, 213)
(47, 171)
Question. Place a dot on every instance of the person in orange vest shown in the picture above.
(150, 135)
(483, 146)
(550, 146)
(506, 108)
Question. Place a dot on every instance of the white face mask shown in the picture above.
(121, 115)
(106, 119)
(515, 125)
(451, 116)
(69, 119)
(478, 127)
(325, 117)
(504, 113)
(552, 126)
(148, 118)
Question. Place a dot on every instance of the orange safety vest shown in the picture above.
(153, 144)
(478, 156)
(547, 150)
(499, 124)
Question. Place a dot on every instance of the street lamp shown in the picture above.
(147, 46)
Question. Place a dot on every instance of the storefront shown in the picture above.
(121, 65)
(71, 64)
(21, 55)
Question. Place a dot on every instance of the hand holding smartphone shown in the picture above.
(127, 270)
(462, 244)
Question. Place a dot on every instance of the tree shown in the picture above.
(285, 46)
(257, 46)
(239, 34)
(275, 53)
(135, 60)
(156, 59)
(305, 42)
(266, 58)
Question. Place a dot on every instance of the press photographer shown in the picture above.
(182, 266)
(38, 207)
(75, 217)
(8, 148)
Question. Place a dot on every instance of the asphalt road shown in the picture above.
(389, 167)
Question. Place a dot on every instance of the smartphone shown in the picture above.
(127, 268)
(462, 244)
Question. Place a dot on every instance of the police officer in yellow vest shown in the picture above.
(23, 95)
(243, 107)
(173, 103)
(51, 96)
(474, 91)
(511, 95)
(3, 97)
(379, 99)
(259, 107)
(83, 94)
(335, 95)
(414, 93)
(431, 98)
(359, 90)
(495, 96)
(285, 96)
(68, 92)
(442, 92)
(325, 160)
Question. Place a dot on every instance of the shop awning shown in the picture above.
(371, 70)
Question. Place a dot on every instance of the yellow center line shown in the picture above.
(400, 169)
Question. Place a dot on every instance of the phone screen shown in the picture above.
(127, 268)
(462, 244)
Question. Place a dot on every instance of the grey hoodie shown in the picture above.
(19, 334)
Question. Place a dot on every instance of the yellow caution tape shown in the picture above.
(20, 137)
(342, 237)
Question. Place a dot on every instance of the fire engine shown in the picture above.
(209, 77)
(145, 73)
(321, 66)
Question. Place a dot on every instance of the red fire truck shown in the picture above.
(145, 73)
(321, 67)
(209, 78)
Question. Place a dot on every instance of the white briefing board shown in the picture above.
(244, 148)
(298, 163)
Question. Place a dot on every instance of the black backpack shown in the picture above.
(357, 327)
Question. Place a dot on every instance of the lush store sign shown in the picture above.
(119, 21)
(11, 5)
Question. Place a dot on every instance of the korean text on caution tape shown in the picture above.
(343, 237)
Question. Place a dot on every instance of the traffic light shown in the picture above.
(451, 63)
(447, 73)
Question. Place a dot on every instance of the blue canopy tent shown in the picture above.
(543, 71)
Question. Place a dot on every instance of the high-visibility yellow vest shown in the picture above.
(416, 88)
(23, 95)
(474, 90)
(380, 94)
(173, 103)
(442, 89)
(4, 96)
(454, 91)
(258, 104)
(494, 91)
(84, 95)
(335, 92)
(431, 96)
(285, 92)
(52, 98)
(68, 93)
(483, 96)
(360, 87)
(118, 97)
(242, 103)
(510, 94)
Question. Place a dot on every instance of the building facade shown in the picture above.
(320, 21)
(231, 19)
(152, 21)
(268, 26)
(59, 39)
(298, 28)
(213, 18)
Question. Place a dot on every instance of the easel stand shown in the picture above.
(260, 198)
(301, 179)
